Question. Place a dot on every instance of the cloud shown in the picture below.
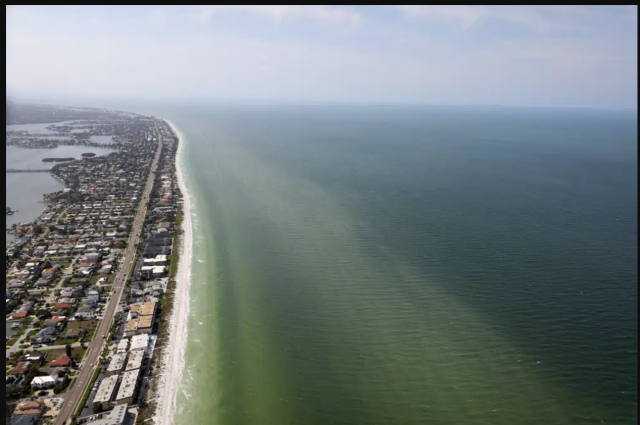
(468, 16)
(158, 15)
(278, 14)
(385, 60)
(537, 18)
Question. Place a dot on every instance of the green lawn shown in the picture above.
(89, 335)
(24, 324)
(64, 341)
(76, 352)
(84, 324)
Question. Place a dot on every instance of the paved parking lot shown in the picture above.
(87, 409)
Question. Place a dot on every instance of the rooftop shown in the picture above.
(145, 309)
(106, 389)
(135, 360)
(128, 385)
(60, 361)
(139, 342)
(117, 363)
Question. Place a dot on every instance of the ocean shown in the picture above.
(408, 265)
(383, 265)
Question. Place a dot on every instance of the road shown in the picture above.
(92, 355)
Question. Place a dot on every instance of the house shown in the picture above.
(44, 382)
(24, 419)
(27, 306)
(62, 361)
(67, 293)
(13, 282)
(19, 315)
(46, 334)
(71, 333)
(93, 298)
(11, 379)
(35, 357)
(43, 282)
(21, 367)
(84, 313)
(62, 305)
(23, 274)
(29, 407)
(51, 324)
(48, 272)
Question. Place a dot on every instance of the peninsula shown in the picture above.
(87, 281)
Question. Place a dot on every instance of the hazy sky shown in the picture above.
(500, 55)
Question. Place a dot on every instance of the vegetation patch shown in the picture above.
(64, 341)
(84, 324)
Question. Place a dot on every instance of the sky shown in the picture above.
(565, 56)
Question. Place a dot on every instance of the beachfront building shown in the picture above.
(123, 346)
(116, 364)
(139, 342)
(135, 360)
(115, 417)
(141, 317)
(128, 387)
(106, 391)
(144, 309)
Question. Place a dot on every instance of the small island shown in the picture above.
(58, 159)
(88, 155)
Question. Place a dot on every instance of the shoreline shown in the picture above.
(172, 361)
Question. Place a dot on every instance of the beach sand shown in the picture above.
(172, 365)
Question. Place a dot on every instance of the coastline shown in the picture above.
(172, 362)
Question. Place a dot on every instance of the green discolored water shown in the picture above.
(361, 265)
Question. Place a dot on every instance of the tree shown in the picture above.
(43, 314)
(37, 229)
(67, 349)
(12, 391)
(96, 407)
(60, 386)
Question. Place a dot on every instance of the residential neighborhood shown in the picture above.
(101, 252)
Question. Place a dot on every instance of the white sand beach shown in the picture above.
(172, 364)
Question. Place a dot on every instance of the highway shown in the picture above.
(91, 357)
